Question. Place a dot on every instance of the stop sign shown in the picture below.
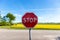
(29, 20)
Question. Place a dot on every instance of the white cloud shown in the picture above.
(18, 17)
(51, 15)
(39, 19)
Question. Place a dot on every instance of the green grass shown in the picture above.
(4, 27)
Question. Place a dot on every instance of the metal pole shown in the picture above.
(30, 34)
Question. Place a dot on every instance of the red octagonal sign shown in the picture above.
(29, 20)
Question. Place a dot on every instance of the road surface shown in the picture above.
(6, 34)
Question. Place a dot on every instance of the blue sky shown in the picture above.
(46, 10)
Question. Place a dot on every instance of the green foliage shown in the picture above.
(3, 20)
(3, 23)
(11, 17)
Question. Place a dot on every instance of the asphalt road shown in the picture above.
(6, 34)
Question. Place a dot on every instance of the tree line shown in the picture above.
(7, 19)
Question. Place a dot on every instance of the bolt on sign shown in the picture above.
(29, 20)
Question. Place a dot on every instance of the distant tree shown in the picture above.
(4, 18)
(3, 22)
(11, 17)
(0, 18)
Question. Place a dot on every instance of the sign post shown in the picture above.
(30, 34)
(29, 20)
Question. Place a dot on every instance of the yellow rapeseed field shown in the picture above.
(49, 26)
